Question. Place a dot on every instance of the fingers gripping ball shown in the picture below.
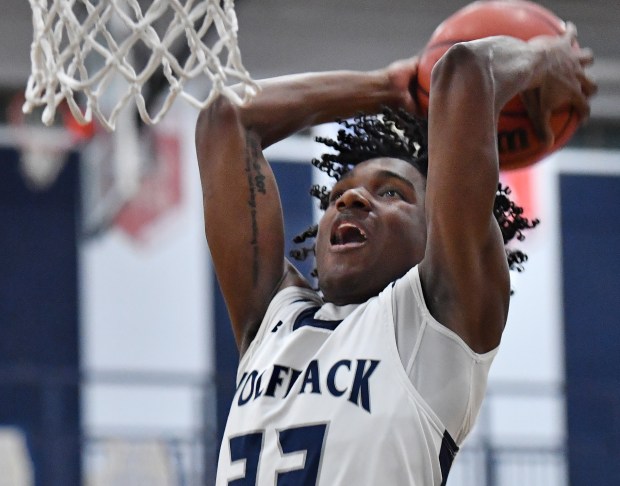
(518, 144)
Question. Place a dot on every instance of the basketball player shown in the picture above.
(378, 377)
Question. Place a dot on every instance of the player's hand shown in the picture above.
(403, 75)
(564, 81)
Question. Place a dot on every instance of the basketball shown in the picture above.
(518, 144)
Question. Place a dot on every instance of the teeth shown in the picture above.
(348, 233)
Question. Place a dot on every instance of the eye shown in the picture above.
(391, 193)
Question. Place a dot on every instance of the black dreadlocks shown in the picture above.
(398, 134)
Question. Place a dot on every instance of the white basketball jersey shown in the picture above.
(324, 397)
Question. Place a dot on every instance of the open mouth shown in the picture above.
(347, 234)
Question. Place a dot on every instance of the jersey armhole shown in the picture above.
(413, 276)
(410, 287)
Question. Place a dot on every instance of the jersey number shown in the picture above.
(308, 439)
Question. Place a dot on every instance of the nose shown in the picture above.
(353, 198)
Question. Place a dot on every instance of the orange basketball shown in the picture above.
(518, 145)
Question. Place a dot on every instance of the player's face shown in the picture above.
(373, 231)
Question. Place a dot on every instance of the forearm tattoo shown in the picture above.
(256, 184)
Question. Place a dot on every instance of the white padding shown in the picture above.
(15, 463)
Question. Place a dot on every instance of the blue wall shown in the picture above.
(591, 281)
(39, 319)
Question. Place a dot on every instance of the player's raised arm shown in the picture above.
(242, 209)
(464, 272)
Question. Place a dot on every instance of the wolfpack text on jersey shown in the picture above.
(375, 393)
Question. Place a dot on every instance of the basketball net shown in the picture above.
(78, 50)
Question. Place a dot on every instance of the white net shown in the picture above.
(81, 48)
